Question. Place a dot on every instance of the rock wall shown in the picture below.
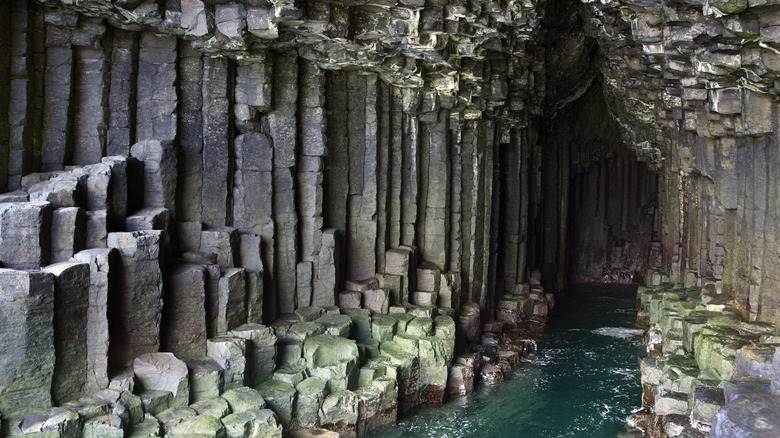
(220, 162)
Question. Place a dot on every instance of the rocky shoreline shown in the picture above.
(709, 371)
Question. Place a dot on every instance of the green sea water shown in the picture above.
(582, 382)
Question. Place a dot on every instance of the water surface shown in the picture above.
(582, 382)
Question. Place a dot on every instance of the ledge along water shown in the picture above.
(582, 382)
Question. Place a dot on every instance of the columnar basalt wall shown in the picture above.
(366, 177)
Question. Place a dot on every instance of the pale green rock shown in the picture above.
(89, 407)
(420, 327)
(311, 394)
(130, 407)
(309, 313)
(436, 351)
(340, 412)
(149, 428)
(729, 6)
(444, 327)
(169, 418)
(107, 426)
(368, 350)
(383, 327)
(261, 352)
(407, 343)
(670, 402)
(280, 398)
(423, 312)
(44, 423)
(361, 323)
(326, 350)
(217, 407)
(206, 378)
(705, 402)
(244, 399)
(403, 321)
(336, 325)
(156, 401)
(258, 423)
(199, 425)
(290, 374)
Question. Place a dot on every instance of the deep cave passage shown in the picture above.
(592, 206)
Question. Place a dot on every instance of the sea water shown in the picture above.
(582, 382)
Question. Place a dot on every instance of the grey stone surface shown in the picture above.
(137, 301)
(184, 312)
(71, 312)
(25, 234)
(27, 339)
(103, 266)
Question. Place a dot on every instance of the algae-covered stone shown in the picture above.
(361, 323)
(107, 426)
(408, 375)
(383, 327)
(339, 412)
(45, 423)
(334, 359)
(705, 402)
(424, 311)
(149, 428)
(420, 327)
(206, 378)
(130, 407)
(403, 321)
(156, 401)
(91, 406)
(261, 351)
(258, 423)
(199, 425)
(26, 339)
(217, 407)
(280, 398)
(670, 402)
(290, 374)
(444, 327)
(311, 393)
(170, 418)
(244, 399)
(336, 325)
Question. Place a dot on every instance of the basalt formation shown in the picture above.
(263, 217)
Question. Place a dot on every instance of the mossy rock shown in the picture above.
(217, 407)
(244, 399)
(199, 425)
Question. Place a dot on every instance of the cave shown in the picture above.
(312, 217)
